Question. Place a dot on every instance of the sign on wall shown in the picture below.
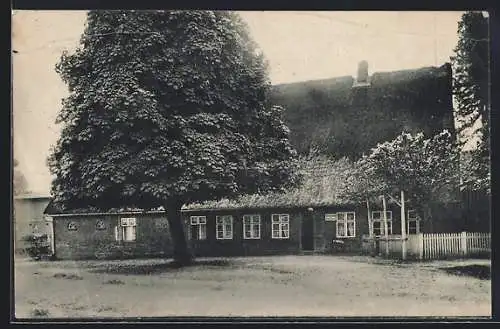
(72, 226)
(330, 217)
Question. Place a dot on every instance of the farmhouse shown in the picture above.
(343, 117)
(315, 217)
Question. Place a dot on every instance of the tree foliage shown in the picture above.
(471, 90)
(168, 104)
(167, 108)
(426, 169)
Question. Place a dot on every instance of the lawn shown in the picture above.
(255, 286)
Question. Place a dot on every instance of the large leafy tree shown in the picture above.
(471, 90)
(167, 108)
(426, 169)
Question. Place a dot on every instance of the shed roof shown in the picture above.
(31, 196)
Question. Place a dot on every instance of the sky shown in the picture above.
(299, 46)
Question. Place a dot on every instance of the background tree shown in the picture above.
(471, 90)
(425, 169)
(20, 183)
(167, 108)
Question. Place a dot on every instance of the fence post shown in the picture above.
(463, 243)
(420, 245)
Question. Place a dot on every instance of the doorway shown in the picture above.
(307, 233)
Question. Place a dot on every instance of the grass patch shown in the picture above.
(70, 276)
(40, 313)
(114, 281)
(482, 272)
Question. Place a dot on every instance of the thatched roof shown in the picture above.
(323, 184)
(336, 118)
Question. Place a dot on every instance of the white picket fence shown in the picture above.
(432, 245)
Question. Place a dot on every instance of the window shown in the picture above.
(378, 223)
(71, 227)
(280, 226)
(224, 227)
(346, 225)
(198, 227)
(413, 222)
(127, 230)
(99, 225)
(251, 227)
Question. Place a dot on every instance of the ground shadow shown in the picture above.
(118, 268)
(482, 272)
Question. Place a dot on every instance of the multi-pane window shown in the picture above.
(251, 226)
(346, 224)
(224, 227)
(378, 223)
(280, 226)
(127, 229)
(198, 227)
(413, 222)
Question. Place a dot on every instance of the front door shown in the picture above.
(307, 232)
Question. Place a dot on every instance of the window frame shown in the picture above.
(282, 221)
(250, 218)
(199, 221)
(345, 220)
(223, 224)
(381, 220)
(126, 224)
(415, 219)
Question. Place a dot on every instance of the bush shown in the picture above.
(38, 245)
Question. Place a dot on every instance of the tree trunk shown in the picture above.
(182, 255)
(428, 217)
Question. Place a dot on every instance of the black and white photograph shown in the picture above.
(250, 164)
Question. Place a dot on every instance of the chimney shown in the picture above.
(363, 72)
(362, 79)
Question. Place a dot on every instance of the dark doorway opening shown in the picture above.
(307, 233)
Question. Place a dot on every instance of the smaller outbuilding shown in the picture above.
(29, 219)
